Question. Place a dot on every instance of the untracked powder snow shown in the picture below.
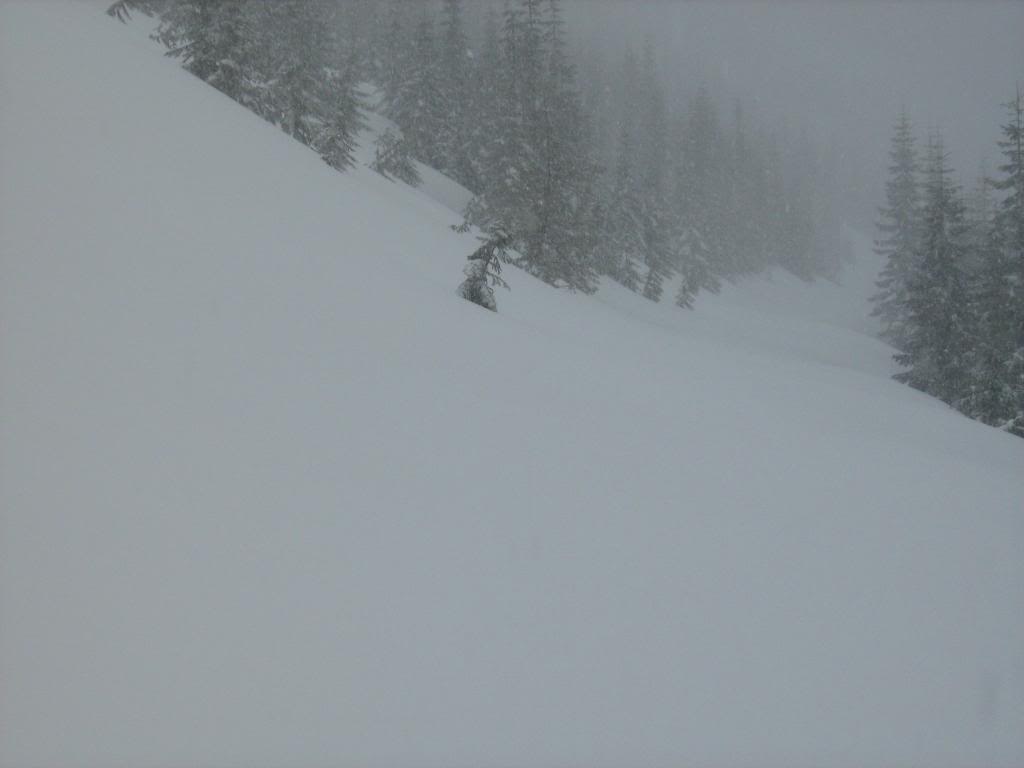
(272, 494)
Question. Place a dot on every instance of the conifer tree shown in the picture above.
(540, 180)
(395, 47)
(798, 225)
(939, 330)
(418, 106)
(454, 92)
(745, 171)
(392, 159)
(899, 229)
(486, 107)
(568, 175)
(338, 140)
(298, 52)
(828, 246)
(206, 35)
(692, 258)
(997, 395)
(979, 208)
(652, 158)
(483, 271)
(701, 179)
(621, 246)
(773, 209)
(123, 9)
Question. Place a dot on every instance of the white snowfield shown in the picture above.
(271, 494)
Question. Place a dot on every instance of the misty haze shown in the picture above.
(492, 383)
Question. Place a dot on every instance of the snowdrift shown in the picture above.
(271, 494)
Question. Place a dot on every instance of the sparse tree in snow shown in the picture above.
(483, 271)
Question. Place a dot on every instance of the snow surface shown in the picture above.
(271, 494)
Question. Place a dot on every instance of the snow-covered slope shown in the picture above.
(270, 494)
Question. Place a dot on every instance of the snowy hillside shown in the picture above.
(271, 494)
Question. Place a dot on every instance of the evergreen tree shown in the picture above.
(454, 92)
(997, 395)
(745, 173)
(938, 342)
(485, 109)
(123, 9)
(505, 116)
(980, 208)
(338, 140)
(297, 60)
(694, 191)
(621, 247)
(701, 180)
(693, 261)
(206, 35)
(540, 179)
(653, 152)
(773, 209)
(899, 231)
(990, 396)
(393, 159)
(357, 28)
(598, 100)
(828, 247)
(418, 105)
(483, 271)
(798, 225)
(395, 65)
(563, 195)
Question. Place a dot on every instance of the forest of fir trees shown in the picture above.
(951, 295)
(611, 174)
(623, 173)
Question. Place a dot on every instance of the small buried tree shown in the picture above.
(483, 271)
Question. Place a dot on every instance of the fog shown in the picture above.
(840, 70)
(287, 477)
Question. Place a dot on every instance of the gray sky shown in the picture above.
(842, 69)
